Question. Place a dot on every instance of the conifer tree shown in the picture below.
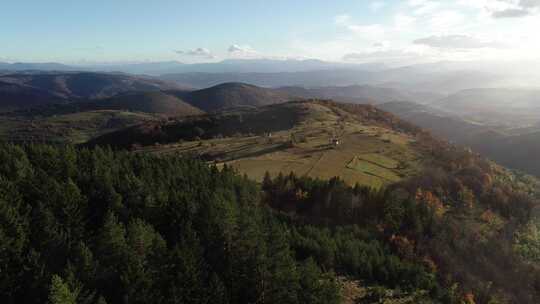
(59, 292)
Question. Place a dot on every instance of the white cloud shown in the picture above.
(198, 52)
(392, 56)
(381, 44)
(243, 51)
(363, 31)
(423, 7)
(504, 8)
(432, 30)
(457, 42)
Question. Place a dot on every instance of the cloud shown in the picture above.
(423, 7)
(457, 42)
(511, 13)
(505, 8)
(238, 48)
(243, 51)
(391, 55)
(368, 31)
(381, 44)
(198, 52)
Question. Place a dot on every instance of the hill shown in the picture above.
(68, 127)
(463, 218)
(375, 147)
(230, 95)
(516, 148)
(514, 107)
(520, 151)
(360, 94)
(80, 121)
(13, 96)
(67, 87)
(441, 123)
(27, 66)
(442, 226)
(149, 102)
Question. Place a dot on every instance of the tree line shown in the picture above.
(84, 225)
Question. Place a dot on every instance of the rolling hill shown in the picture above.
(14, 96)
(371, 147)
(439, 210)
(27, 66)
(511, 147)
(81, 121)
(360, 94)
(513, 107)
(25, 90)
(69, 127)
(234, 94)
(230, 95)
(149, 102)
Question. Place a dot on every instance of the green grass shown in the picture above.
(380, 156)
(376, 160)
(379, 159)
(372, 169)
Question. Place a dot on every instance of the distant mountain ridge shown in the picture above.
(25, 66)
(24, 90)
(517, 149)
(224, 66)
(519, 106)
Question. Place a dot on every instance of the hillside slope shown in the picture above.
(518, 107)
(466, 220)
(150, 102)
(30, 89)
(231, 95)
(315, 138)
(360, 94)
(516, 148)
(14, 96)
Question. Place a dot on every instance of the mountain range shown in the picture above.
(225, 66)
(446, 77)
(516, 148)
(24, 90)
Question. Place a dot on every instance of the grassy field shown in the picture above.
(367, 155)
(380, 160)
(372, 168)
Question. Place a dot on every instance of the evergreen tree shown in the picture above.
(59, 292)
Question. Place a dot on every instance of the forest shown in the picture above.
(100, 226)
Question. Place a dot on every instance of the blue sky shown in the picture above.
(74, 31)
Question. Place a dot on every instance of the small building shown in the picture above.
(335, 141)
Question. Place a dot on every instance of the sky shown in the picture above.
(390, 31)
